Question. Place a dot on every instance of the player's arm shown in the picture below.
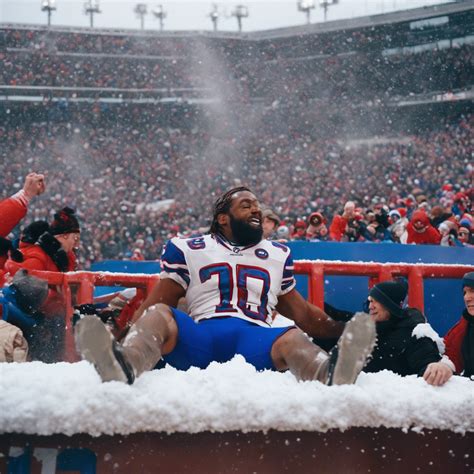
(166, 291)
(307, 316)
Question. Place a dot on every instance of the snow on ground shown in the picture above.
(70, 398)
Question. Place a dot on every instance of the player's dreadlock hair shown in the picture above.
(222, 206)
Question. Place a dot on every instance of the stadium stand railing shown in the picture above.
(78, 287)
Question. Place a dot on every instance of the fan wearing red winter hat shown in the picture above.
(299, 231)
(461, 204)
(420, 230)
(317, 229)
(54, 249)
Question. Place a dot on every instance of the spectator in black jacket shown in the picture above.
(406, 343)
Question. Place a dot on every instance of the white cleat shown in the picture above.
(355, 345)
(98, 346)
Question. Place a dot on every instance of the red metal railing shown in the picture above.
(82, 284)
(377, 272)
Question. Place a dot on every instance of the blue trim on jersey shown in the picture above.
(219, 340)
(174, 261)
(220, 240)
(184, 274)
(288, 273)
(173, 255)
(280, 246)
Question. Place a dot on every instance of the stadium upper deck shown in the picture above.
(393, 30)
(357, 63)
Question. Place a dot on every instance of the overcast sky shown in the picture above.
(194, 14)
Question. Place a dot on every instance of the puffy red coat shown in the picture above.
(429, 236)
(453, 341)
(337, 228)
(35, 258)
(12, 211)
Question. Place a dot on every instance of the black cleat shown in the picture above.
(355, 345)
(97, 345)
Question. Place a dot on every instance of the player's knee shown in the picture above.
(160, 310)
(159, 320)
(291, 340)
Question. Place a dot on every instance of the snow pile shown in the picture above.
(67, 398)
(425, 330)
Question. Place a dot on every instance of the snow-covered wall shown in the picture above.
(67, 398)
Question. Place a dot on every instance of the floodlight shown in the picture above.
(48, 6)
(141, 9)
(214, 16)
(306, 6)
(240, 11)
(90, 8)
(159, 13)
(325, 4)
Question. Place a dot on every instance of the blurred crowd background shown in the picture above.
(140, 133)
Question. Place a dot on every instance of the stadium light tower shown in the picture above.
(48, 6)
(306, 6)
(214, 16)
(91, 7)
(325, 4)
(240, 12)
(160, 14)
(141, 9)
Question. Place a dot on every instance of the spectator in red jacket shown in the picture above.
(339, 222)
(13, 210)
(420, 230)
(460, 338)
(54, 249)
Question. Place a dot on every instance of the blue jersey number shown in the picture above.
(226, 288)
(226, 284)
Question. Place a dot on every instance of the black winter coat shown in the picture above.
(397, 350)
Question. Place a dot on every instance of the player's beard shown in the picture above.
(243, 233)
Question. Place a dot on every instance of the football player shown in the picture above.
(232, 279)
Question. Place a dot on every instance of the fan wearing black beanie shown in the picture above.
(460, 338)
(406, 343)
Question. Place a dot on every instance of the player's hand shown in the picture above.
(34, 185)
(437, 374)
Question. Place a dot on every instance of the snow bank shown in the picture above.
(67, 398)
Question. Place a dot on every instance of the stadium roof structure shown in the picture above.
(392, 18)
(403, 16)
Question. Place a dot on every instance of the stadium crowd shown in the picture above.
(55, 59)
(359, 76)
(122, 180)
(139, 174)
(134, 184)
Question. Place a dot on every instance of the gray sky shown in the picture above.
(193, 14)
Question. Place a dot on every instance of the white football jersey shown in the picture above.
(225, 280)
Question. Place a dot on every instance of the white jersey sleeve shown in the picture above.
(173, 264)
